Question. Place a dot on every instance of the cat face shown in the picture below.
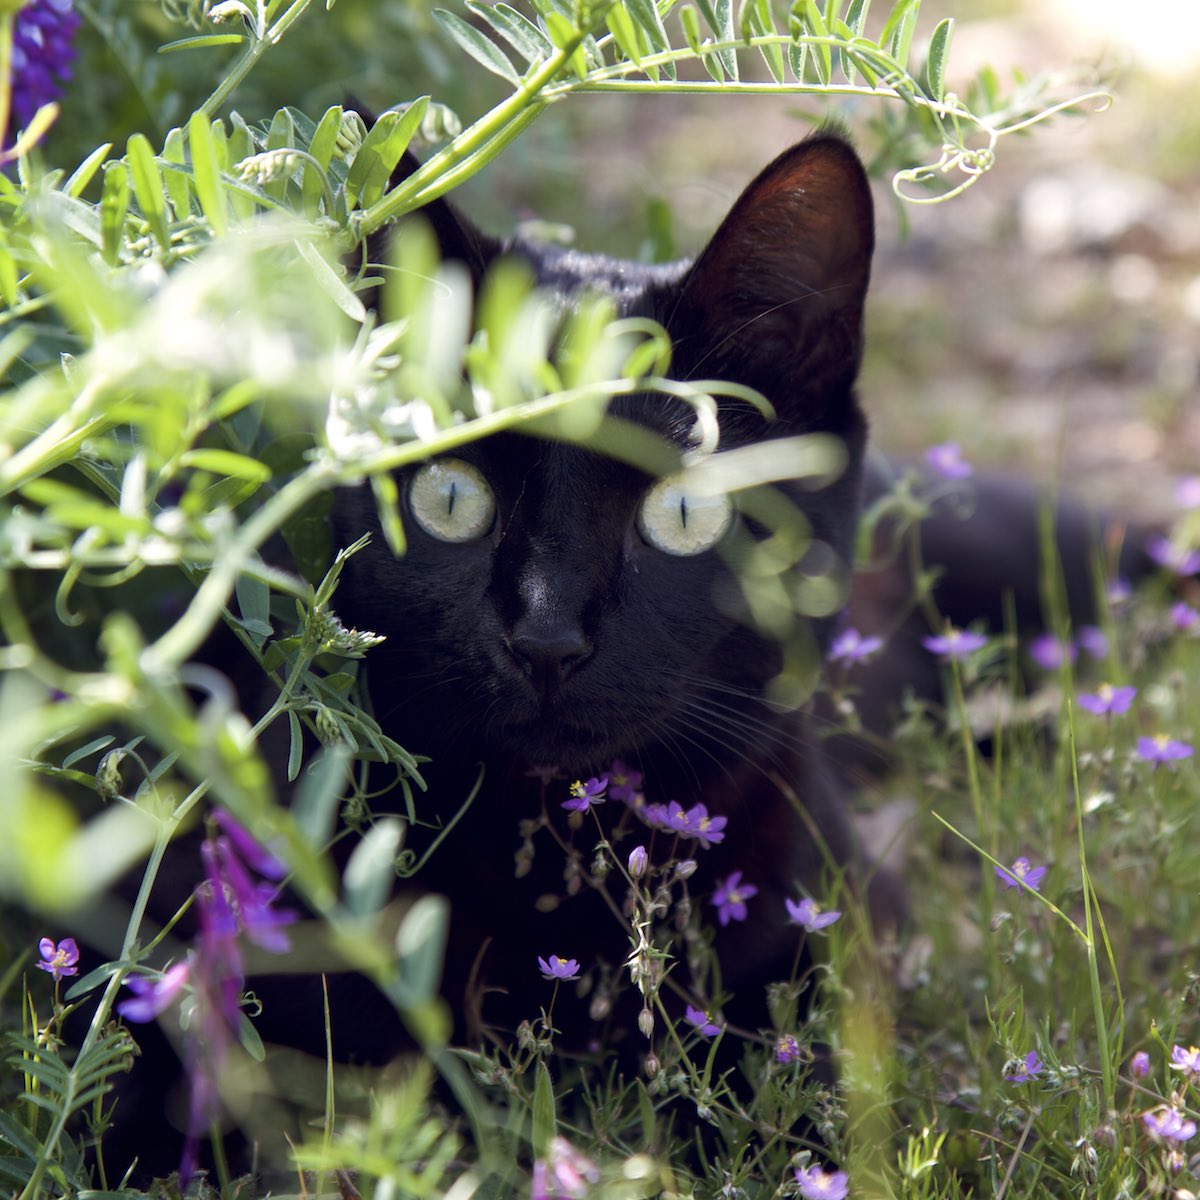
(560, 608)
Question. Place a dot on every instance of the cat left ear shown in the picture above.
(776, 298)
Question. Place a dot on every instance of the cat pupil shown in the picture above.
(683, 511)
(453, 496)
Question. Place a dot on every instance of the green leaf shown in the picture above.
(371, 872)
(759, 20)
(206, 39)
(321, 147)
(719, 15)
(562, 33)
(935, 67)
(517, 30)
(482, 49)
(897, 33)
(206, 172)
(545, 1123)
(148, 187)
(82, 175)
(114, 205)
(177, 180)
(225, 462)
(381, 150)
(821, 56)
(254, 603)
(625, 33)
(649, 21)
(421, 946)
(281, 136)
(387, 503)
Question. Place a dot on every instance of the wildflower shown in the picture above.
(1021, 873)
(1187, 492)
(1107, 700)
(1049, 653)
(1119, 592)
(787, 1049)
(59, 959)
(570, 1172)
(1172, 557)
(638, 860)
(1092, 640)
(559, 968)
(624, 783)
(947, 461)
(1185, 1060)
(655, 815)
(1169, 1124)
(1162, 749)
(955, 643)
(809, 913)
(258, 920)
(584, 795)
(41, 57)
(702, 1022)
(252, 851)
(851, 647)
(1025, 1069)
(1184, 617)
(818, 1184)
(730, 898)
(678, 820)
(708, 831)
(152, 997)
(1139, 1065)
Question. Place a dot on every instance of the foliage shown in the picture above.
(192, 361)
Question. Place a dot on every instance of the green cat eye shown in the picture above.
(452, 501)
(680, 522)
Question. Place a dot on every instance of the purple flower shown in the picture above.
(41, 57)
(638, 861)
(584, 795)
(151, 997)
(696, 823)
(678, 820)
(1185, 1060)
(787, 1049)
(624, 783)
(1187, 491)
(809, 913)
(261, 923)
(1162, 749)
(59, 959)
(559, 968)
(1169, 1124)
(1139, 1065)
(1172, 557)
(1025, 1070)
(818, 1184)
(955, 643)
(1118, 593)
(1184, 617)
(1049, 653)
(730, 898)
(851, 647)
(947, 461)
(1021, 874)
(1107, 700)
(252, 851)
(704, 1024)
(1092, 640)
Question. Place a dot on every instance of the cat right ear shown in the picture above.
(776, 298)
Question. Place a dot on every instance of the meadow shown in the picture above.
(190, 368)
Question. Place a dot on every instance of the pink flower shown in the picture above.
(818, 1184)
(947, 461)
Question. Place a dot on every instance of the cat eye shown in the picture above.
(680, 522)
(452, 501)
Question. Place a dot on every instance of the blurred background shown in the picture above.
(1047, 319)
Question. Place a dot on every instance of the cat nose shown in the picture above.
(548, 657)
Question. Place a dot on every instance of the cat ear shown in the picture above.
(776, 298)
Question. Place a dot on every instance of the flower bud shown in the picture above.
(646, 1022)
(686, 869)
(637, 862)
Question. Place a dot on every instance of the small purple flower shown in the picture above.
(638, 861)
(571, 1172)
(1025, 1070)
(1093, 641)
(1021, 873)
(1185, 1060)
(1049, 653)
(708, 831)
(1162, 749)
(656, 816)
(1172, 557)
(1118, 593)
(1139, 1065)
(851, 647)
(818, 1184)
(1107, 700)
(1187, 491)
(678, 820)
(152, 997)
(59, 959)
(559, 968)
(624, 783)
(955, 643)
(787, 1049)
(730, 898)
(947, 461)
(42, 54)
(261, 923)
(252, 851)
(703, 1023)
(810, 915)
(584, 795)
(1184, 617)
(1169, 1124)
